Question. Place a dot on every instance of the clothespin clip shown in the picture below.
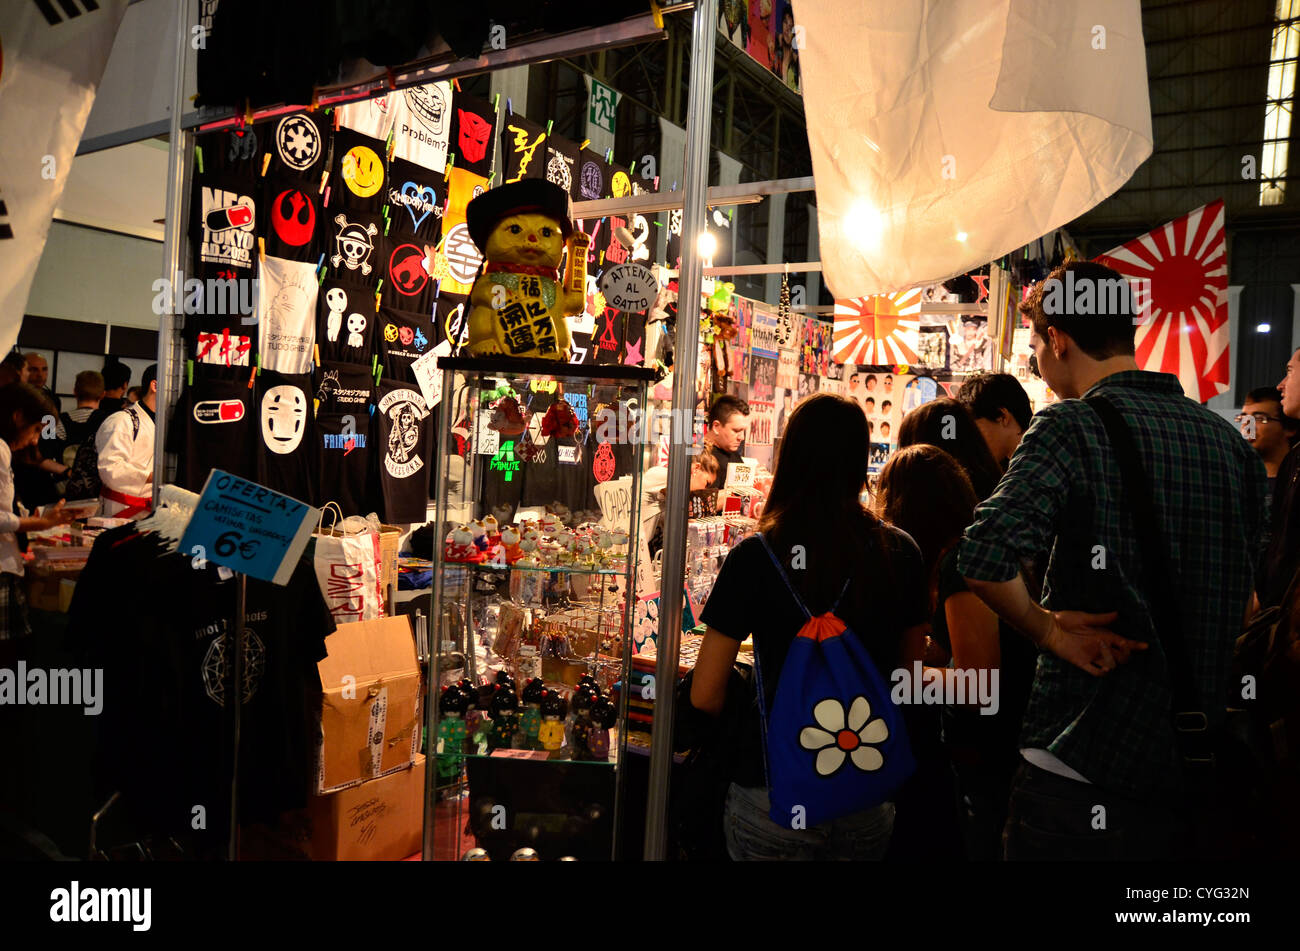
(656, 183)
(326, 203)
(248, 112)
(261, 249)
(378, 292)
(510, 108)
(315, 350)
(391, 142)
(266, 161)
(631, 169)
(455, 84)
(189, 372)
(252, 375)
(451, 163)
(658, 14)
(549, 123)
(674, 188)
(388, 223)
(324, 177)
(379, 374)
(609, 155)
(496, 102)
(392, 78)
(585, 143)
(198, 157)
(338, 119)
(490, 177)
(602, 258)
(374, 363)
(320, 263)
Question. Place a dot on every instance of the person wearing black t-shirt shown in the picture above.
(814, 504)
(926, 492)
(728, 426)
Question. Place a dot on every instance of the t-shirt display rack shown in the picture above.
(175, 362)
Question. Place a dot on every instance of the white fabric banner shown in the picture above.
(52, 61)
(286, 315)
(962, 129)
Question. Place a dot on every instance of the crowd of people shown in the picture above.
(1096, 562)
(100, 449)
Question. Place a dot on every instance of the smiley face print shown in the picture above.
(363, 171)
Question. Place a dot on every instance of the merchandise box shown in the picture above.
(370, 710)
(45, 586)
(381, 820)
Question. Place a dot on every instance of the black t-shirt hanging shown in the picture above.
(236, 152)
(213, 428)
(224, 222)
(561, 161)
(523, 149)
(354, 245)
(633, 339)
(620, 181)
(345, 452)
(609, 336)
(358, 173)
(416, 198)
(404, 337)
(472, 124)
(299, 147)
(404, 427)
(591, 180)
(406, 282)
(286, 457)
(451, 315)
(345, 388)
(292, 220)
(345, 323)
(216, 341)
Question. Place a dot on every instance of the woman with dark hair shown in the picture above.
(824, 537)
(949, 425)
(924, 491)
(22, 413)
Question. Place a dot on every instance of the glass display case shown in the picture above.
(535, 558)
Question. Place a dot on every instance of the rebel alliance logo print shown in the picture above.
(404, 409)
(284, 418)
(228, 220)
(354, 243)
(298, 141)
(293, 217)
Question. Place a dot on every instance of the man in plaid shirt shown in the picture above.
(1098, 728)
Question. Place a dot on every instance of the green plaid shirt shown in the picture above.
(1062, 494)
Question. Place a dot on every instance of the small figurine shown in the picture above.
(604, 714)
(504, 680)
(579, 721)
(479, 529)
(452, 730)
(529, 544)
(530, 721)
(525, 855)
(550, 523)
(551, 733)
(518, 305)
(510, 540)
(493, 528)
(560, 420)
(505, 718)
(460, 547)
(476, 855)
(507, 418)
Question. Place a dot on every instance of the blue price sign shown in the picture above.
(248, 528)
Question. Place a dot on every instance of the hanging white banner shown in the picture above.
(960, 130)
(53, 58)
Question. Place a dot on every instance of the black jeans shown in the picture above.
(1054, 818)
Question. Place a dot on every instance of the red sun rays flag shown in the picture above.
(1179, 274)
(878, 330)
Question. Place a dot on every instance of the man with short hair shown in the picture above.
(125, 444)
(728, 425)
(87, 389)
(1267, 428)
(1001, 409)
(1282, 556)
(1099, 727)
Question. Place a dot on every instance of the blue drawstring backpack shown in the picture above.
(834, 742)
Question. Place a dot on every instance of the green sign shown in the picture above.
(604, 105)
(505, 460)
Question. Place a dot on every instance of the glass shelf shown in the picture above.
(547, 569)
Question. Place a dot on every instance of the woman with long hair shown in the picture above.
(926, 492)
(949, 425)
(23, 411)
(824, 537)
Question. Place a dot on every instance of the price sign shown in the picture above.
(248, 528)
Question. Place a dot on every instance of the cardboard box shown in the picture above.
(378, 821)
(44, 586)
(370, 711)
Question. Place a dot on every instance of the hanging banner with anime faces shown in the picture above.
(345, 320)
(287, 458)
(422, 124)
(286, 315)
(284, 418)
(404, 428)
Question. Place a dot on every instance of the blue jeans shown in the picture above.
(752, 836)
